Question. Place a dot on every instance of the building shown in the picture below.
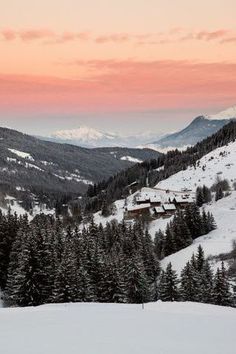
(181, 202)
(169, 209)
(138, 210)
(159, 212)
(151, 198)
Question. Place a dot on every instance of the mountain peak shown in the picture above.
(228, 113)
(83, 133)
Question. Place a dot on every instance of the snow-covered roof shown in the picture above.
(138, 207)
(155, 199)
(142, 198)
(168, 207)
(159, 210)
(181, 199)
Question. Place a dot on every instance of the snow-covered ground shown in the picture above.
(131, 159)
(228, 113)
(19, 210)
(218, 163)
(161, 328)
(24, 155)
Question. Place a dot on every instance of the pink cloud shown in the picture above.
(8, 34)
(116, 37)
(35, 34)
(173, 35)
(229, 40)
(209, 36)
(127, 84)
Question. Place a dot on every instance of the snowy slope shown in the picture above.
(216, 242)
(161, 328)
(226, 114)
(220, 162)
(16, 207)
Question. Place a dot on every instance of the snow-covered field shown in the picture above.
(220, 162)
(161, 328)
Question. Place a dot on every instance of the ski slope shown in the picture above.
(219, 163)
(161, 328)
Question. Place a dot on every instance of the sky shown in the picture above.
(125, 66)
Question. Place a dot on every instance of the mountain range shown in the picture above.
(91, 138)
(198, 129)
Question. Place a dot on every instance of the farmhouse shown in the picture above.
(159, 211)
(181, 202)
(153, 199)
(158, 203)
(138, 210)
(169, 209)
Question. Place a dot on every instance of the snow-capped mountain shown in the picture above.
(85, 136)
(226, 114)
(200, 128)
(88, 137)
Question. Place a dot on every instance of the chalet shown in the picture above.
(159, 212)
(143, 198)
(153, 199)
(181, 202)
(138, 210)
(169, 209)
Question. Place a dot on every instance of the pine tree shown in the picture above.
(219, 193)
(206, 284)
(206, 194)
(199, 197)
(137, 284)
(189, 288)
(168, 286)
(200, 259)
(221, 292)
(159, 244)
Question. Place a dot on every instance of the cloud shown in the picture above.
(116, 37)
(8, 35)
(229, 40)
(174, 35)
(209, 36)
(35, 34)
(128, 84)
(46, 35)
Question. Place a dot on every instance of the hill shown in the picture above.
(47, 168)
(149, 173)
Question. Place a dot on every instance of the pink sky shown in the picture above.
(87, 57)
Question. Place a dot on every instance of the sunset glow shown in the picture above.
(107, 56)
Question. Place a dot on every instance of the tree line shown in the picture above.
(187, 225)
(43, 261)
(197, 283)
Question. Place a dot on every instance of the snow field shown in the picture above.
(161, 328)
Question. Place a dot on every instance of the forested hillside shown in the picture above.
(51, 171)
(153, 171)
